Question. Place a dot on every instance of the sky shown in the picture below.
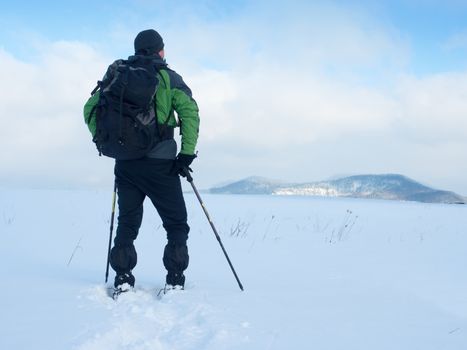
(291, 90)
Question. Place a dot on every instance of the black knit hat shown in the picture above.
(148, 42)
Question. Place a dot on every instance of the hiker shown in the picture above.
(155, 169)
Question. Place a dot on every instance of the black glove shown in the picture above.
(182, 164)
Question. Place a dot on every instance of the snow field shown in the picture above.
(318, 274)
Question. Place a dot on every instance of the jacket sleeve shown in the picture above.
(188, 113)
(89, 112)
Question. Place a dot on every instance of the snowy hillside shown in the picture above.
(250, 185)
(388, 186)
(319, 273)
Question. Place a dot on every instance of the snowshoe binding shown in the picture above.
(123, 283)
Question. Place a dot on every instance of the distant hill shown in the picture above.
(387, 186)
(250, 185)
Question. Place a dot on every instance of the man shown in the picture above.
(157, 174)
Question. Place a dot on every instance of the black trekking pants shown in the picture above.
(149, 177)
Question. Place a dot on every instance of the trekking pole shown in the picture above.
(190, 180)
(111, 230)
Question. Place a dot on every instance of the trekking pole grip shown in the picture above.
(186, 172)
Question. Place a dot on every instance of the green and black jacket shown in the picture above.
(172, 95)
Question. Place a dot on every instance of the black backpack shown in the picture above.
(126, 121)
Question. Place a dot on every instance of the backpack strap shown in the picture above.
(125, 83)
(93, 109)
(99, 84)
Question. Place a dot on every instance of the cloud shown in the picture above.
(283, 68)
(262, 123)
(432, 109)
(338, 95)
(43, 137)
(297, 93)
(316, 35)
